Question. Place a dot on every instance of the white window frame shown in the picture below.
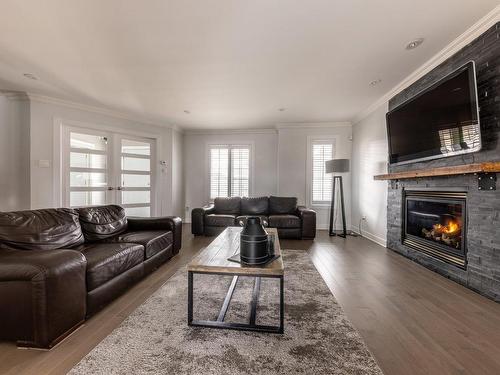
(310, 141)
(210, 145)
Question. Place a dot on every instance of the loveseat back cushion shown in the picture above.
(227, 205)
(101, 222)
(254, 206)
(282, 205)
(46, 229)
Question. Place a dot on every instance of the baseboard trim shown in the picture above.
(326, 227)
(370, 236)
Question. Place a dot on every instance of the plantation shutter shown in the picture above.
(321, 182)
(229, 171)
(219, 172)
(240, 171)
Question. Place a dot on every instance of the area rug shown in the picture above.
(155, 338)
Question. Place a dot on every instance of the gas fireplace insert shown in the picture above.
(435, 223)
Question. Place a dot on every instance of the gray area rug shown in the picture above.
(155, 338)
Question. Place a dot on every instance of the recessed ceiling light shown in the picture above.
(375, 82)
(31, 76)
(414, 43)
(281, 109)
(187, 112)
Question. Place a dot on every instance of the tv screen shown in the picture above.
(441, 121)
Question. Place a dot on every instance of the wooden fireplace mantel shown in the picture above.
(487, 167)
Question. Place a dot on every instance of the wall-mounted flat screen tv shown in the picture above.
(441, 121)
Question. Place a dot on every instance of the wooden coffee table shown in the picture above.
(213, 261)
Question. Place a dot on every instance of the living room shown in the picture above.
(233, 187)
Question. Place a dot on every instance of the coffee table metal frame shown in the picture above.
(251, 326)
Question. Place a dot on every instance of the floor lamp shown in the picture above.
(337, 166)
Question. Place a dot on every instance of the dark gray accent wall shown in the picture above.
(483, 207)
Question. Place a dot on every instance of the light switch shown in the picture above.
(44, 163)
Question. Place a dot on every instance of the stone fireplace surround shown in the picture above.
(482, 272)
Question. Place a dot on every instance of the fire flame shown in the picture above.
(449, 228)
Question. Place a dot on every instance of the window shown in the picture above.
(321, 183)
(229, 170)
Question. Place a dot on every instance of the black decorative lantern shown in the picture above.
(255, 245)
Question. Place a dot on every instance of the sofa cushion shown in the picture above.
(282, 205)
(105, 261)
(264, 220)
(284, 221)
(154, 241)
(216, 220)
(227, 206)
(254, 206)
(47, 229)
(101, 222)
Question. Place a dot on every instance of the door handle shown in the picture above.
(119, 188)
(111, 188)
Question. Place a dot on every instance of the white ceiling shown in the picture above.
(231, 63)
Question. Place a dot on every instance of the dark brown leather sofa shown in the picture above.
(60, 266)
(292, 221)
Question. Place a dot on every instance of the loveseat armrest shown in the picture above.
(308, 222)
(169, 223)
(198, 219)
(43, 294)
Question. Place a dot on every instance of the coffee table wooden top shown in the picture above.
(213, 259)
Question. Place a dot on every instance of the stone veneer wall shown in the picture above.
(483, 207)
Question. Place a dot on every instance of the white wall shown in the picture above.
(293, 159)
(265, 145)
(369, 157)
(14, 153)
(44, 116)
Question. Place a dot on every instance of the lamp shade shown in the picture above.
(337, 166)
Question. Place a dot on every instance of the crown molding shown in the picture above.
(99, 110)
(456, 45)
(311, 125)
(229, 131)
(14, 95)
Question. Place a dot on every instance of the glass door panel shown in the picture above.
(136, 147)
(88, 141)
(136, 164)
(87, 198)
(87, 160)
(136, 180)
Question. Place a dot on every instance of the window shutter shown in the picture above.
(229, 171)
(219, 172)
(321, 182)
(240, 171)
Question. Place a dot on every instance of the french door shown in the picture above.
(108, 168)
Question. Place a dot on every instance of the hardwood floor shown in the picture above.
(412, 320)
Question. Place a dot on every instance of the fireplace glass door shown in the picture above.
(435, 223)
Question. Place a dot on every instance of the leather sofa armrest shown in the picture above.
(198, 219)
(308, 222)
(171, 223)
(43, 294)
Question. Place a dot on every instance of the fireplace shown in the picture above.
(435, 223)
